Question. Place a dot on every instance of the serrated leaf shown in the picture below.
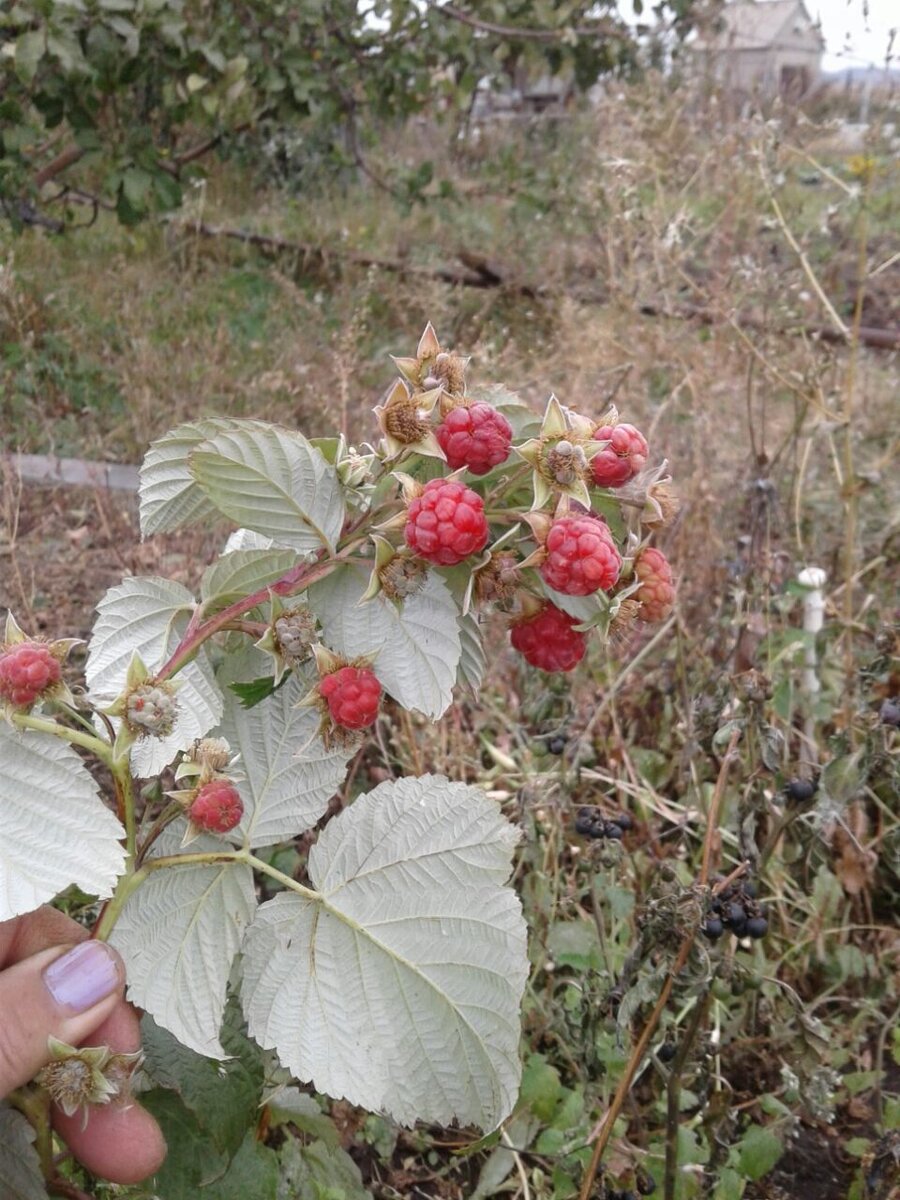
(472, 660)
(169, 495)
(242, 572)
(273, 481)
(253, 693)
(397, 984)
(291, 1106)
(758, 1151)
(20, 1167)
(179, 933)
(192, 1159)
(246, 539)
(288, 776)
(223, 1096)
(54, 828)
(148, 615)
(319, 1172)
(253, 1172)
(417, 649)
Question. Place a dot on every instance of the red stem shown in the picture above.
(198, 630)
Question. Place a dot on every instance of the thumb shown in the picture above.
(63, 992)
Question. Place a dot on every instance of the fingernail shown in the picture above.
(83, 976)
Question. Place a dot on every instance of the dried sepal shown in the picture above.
(404, 419)
(78, 1077)
(289, 638)
(396, 573)
(560, 456)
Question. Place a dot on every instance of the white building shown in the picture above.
(771, 47)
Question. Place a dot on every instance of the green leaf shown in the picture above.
(397, 983)
(241, 573)
(253, 693)
(223, 1096)
(192, 1159)
(272, 480)
(319, 1172)
(758, 1151)
(541, 1087)
(252, 1173)
(291, 1106)
(20, 1168)
(30, 48)
(169, 497)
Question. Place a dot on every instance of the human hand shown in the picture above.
(51, 986)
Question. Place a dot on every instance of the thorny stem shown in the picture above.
(87, 741)
(605, 1128)
(198, 631)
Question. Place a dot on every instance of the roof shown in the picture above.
(756, 24)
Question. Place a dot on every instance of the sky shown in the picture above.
(857, 33)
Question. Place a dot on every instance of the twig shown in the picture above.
(606, 1127)
(673, 1094)
(523, 33)
(520, 1166)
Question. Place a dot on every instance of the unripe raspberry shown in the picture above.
(477, 437)
(151, 709)
(581, 556)
(27, 671)
(353, 695)
(548, 640)
(657, 591)
(622, 458)
(446, 523)
(217, 807)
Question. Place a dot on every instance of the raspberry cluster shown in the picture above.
(476, 437)
(353, 695)
(736, 908)
(657, 587)
(549, 640)
(27, 671)
(622, 458)
(581, 556)
(591, 822)
(446, 523)
(217, 807)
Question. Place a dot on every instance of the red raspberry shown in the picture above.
(217, 807)
(446, 523)
(548, 640)
(622, 458)
(657, 590)
(27, 670)
(353, 695)
(477, 437)
(581, 557)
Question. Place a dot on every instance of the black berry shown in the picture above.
(613, 830)
(801, 791)
(584, 821)
(713, 929)
(624, 821)
(736, 914)
(757, 927)
(750, 889)
(645, 1184)
(667, 1052)
(556, 745)
(890, 713)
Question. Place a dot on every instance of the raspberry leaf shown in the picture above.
(242, 572)
(286, 776)
(179, 934)
(273, 481)
(472, 659)
(169, 495)
(148, 615)
(417, 647)
(397, 984)
(54, 828)
(21, 1177)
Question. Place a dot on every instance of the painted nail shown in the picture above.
(83, 976)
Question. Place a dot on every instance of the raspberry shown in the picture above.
(657, 591)
(217, 807)
(581, 557)
(353, 695)
(622, 458)
(446, 523)
(27, 670)
(548, 640)
(477, 437)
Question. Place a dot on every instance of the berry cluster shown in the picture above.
(736, 908)
(353, 695)
(591, 822)
(28, 670)
(549, 640)
(217, 807)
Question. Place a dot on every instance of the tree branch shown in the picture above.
(516, 33)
